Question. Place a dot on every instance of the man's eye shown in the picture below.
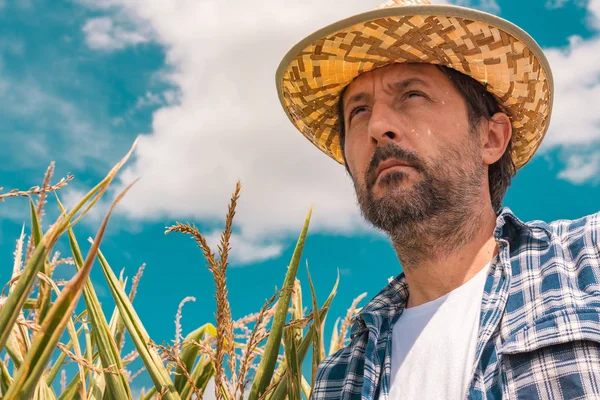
(356, 110)
(413, 94)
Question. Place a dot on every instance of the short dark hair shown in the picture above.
(480, 104)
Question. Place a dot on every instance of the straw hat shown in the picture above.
(489, 49)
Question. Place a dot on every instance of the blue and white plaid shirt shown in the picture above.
(539, 331)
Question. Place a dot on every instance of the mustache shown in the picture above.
(386, 152)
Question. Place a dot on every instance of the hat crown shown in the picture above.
(397, 3)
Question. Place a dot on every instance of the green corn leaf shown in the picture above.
(46, 393)
(190, 351)
(116, 325)
(138, 334)
(335, 337)
(36, 228)
(46, 339)
(18, 295)
(317, 351)
(45, 292)
(70, 392)
(72, 388)
(201, 375)
(30, 304)
(306, 388)
(5, 378)
(117, 329)
(60, 361)
(297, 312)
(14, 350)
(293, 369)
(117, 384)
(148, 396)
(20, 291)
(264, 373)
(97, 389)
(280, 391)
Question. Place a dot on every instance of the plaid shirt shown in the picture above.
(539, 330)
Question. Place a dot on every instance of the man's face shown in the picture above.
(409, 147)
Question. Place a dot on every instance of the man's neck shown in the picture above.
(445, 263)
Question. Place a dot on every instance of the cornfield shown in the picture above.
(256, 357)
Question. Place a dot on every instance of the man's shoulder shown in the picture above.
(567, 229)
(572, 235)
(555, 275)
(571, 243)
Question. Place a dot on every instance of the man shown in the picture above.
(432, 110)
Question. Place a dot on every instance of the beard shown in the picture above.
(437, 205)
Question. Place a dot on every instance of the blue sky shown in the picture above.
(80, 80)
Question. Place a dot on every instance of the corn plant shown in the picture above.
(259, 356)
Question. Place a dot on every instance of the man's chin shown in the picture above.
(396, 188)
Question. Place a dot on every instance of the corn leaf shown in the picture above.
(293, 369)
(71, 391)
(60, 361)
(46, 339)
(138, 334)
(297, 312)
(335, 338)
(117, 384)
(20, 291)
(117, 329)
(306, 388)
(317, 352)
(5, 378)
(281, 387)
(13, 349)
(30, 304)
(97, 389)
(201, 375)
(264, 373)
(18, 295)
(36, 228)
(149, 395)
(45, 292)
(116, 325)
(190, 351)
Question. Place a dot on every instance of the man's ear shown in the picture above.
(496, 138)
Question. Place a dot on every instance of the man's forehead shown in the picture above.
(424, 72)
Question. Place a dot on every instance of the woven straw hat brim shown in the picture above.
(490, 49)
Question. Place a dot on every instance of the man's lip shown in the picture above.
(389, 164)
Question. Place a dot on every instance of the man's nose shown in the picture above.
(383, 127)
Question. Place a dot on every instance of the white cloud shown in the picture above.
(556, 3)
(581, 169)
(575, 124)
(148, 100)
(106, 34)
(490, 6)
(594, 8)
(54, 124)
(227, 123)
(577, 93)
(243, 249)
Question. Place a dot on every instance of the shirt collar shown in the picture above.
(394, 295)
(508, 226)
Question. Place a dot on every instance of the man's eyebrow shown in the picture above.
(358, 97)
(398, 86)
(406, 83)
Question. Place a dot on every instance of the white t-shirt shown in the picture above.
(433, 345)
